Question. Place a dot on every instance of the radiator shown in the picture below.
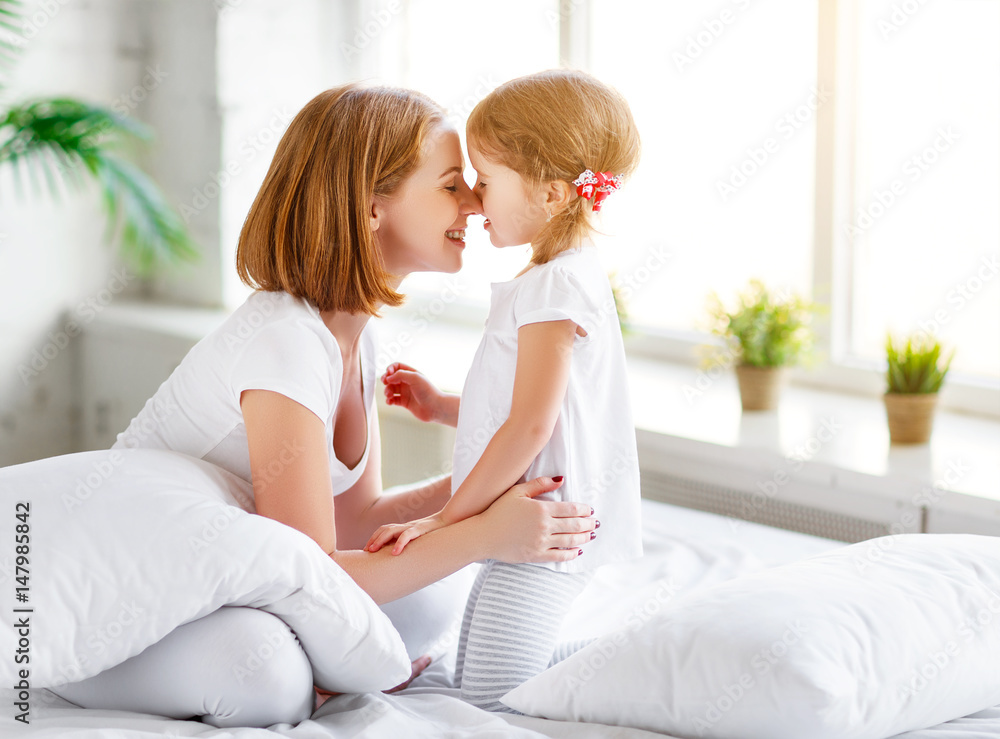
(743, 505)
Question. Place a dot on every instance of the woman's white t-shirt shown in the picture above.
(275, 342)
(593, 444)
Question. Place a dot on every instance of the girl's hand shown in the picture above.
(403, 533)
(416, 667)
(406, 387)
(518, 529)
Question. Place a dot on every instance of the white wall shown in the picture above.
(53, 259)
(180, 39)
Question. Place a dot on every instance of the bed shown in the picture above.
(693, 549)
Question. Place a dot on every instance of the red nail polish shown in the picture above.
(598, 525)
(558, 479)
(593, 535)
(580, 552)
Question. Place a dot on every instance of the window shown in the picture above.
(725, 98)
(924, 231)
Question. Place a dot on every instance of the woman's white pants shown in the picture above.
(234, 667)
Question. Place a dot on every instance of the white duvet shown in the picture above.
(104, 553)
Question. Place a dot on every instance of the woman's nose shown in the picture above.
(468, 202)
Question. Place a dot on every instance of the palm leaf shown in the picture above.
(151, 231)
(67, 142)
(10, 35)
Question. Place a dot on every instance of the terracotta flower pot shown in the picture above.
(760, 387)
(911, 416)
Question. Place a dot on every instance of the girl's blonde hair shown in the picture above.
(308, 231)
(552, 126)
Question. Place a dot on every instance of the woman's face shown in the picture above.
(421, 227)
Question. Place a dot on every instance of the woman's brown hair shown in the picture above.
(552, 126)
(308, 231)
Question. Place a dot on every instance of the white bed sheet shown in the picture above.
(691, 548)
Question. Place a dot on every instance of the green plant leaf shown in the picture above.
(765, 331)
(63, 142)
(914, 364)
(10, 18)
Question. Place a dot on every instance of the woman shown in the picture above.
(365, 188)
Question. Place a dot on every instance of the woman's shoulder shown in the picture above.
(274, 321)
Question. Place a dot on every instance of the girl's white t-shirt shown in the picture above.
(274, 341)
(593, 444)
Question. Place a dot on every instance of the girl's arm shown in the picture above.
(408, 388)
(291, 475)
(544, 352)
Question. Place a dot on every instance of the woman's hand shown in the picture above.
(406, 387)
(519, 529)
(403, 533)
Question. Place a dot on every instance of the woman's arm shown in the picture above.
(514, 529)
(291, 474)
(289, 464)
(363, 507)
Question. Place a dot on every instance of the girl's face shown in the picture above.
(421, 227)
(515, 214)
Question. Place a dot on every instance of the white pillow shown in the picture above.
(123, 546)
(429, 619)
(868, 641)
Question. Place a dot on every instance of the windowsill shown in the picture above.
(853, 452)
(963, 456)
(963, 393)
(846, 434)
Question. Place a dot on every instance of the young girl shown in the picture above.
(547, 392)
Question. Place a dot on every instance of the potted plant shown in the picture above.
(66, 141)
(914, 376)
(764, 335)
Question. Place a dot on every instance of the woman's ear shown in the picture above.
(378, 212)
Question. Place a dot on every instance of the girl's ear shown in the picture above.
(558, 195)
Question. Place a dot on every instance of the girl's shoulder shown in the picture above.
(580, 260)
(579, 268)
(573, 285)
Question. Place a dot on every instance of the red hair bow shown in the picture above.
(597, 186)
